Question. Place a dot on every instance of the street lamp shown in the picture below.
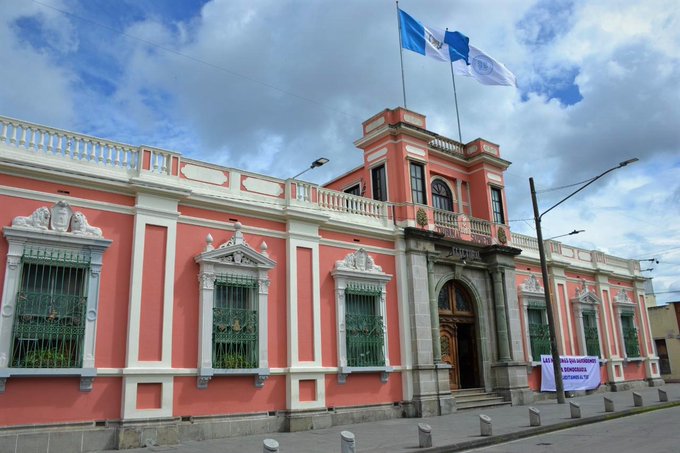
(566, 234)
(317, 163)
(559, 384)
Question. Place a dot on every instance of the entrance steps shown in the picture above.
(474, 398)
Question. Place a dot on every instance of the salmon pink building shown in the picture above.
(147, 297)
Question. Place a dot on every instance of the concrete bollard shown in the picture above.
(347, 442)
(637, 399)
(534, 417)
(270, 446)
(424, 435)
(575, 409)
(485, 425)
(608, 404)
(663, 396)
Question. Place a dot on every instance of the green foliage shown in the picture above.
(233, 361)
(46, 358)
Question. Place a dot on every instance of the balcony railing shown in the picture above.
(448, 146)
(457, 226)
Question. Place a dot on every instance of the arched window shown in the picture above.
(441, 196)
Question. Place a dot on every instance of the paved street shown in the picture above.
(655, 431)
(460, 431)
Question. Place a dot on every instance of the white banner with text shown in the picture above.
(578, 373)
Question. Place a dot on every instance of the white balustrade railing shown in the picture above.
(448, 146)
(524, 242)
(351, 204)
(47, 141)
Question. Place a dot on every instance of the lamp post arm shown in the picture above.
(622, 164)
(576, 191)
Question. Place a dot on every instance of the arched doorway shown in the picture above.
(458, 335)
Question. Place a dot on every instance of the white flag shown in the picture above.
(485, 69)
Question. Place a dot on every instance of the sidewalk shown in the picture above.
(456, 432)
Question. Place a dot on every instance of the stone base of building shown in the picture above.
(627, 385)
(76, 438)
(511, 382)
(655, 382)
(89, 437)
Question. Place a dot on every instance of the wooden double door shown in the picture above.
(458, 336)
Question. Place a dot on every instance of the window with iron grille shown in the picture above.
(49, 320)
(235, 323)
(418, 183)
(630, 335)
(590, 332)
(497, 205)
(364, 326)
(539, 334)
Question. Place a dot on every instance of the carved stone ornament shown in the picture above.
(531, 285)
(59, 218)
(623, 299)
(358, 261)
(237, 238)
(502, 236)
(202, 382)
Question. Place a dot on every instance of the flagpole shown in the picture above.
(401, 55)
(455, 98)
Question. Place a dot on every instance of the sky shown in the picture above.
(268, 86)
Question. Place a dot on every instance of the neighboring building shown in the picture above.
(665, 321)
(154, 296)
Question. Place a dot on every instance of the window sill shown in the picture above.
(633, 359)
(86, 375)
(383, 370)
(205, 374)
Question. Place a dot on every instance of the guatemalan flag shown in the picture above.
(453, 46)
(433, 42)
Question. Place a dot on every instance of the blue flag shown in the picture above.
(432, 42)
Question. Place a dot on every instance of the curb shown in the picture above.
(534, 431)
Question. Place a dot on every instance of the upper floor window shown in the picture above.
(418, 194)
(354, 190)
(497, 205)
(441, 196)
(51, 295)
(379, 183)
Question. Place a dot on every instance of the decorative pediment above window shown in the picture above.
(623, 299)
(359, 262)
(584, 296)
(531, 285)
(60, 218)
(623, 302)
(236, 253)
